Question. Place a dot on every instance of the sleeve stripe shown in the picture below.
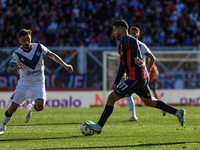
(12, 63)
(47, 53)
(146, 53)
(128, 41)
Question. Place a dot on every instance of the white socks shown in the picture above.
(32, 108)
(131, 106)
(5, 122)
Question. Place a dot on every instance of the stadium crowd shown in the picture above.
(89, 22)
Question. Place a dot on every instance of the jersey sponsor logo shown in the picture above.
(22, 59)
(36, 72)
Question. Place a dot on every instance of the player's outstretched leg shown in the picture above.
(158, 98)
(163, 112)
(1, 131)
(38, 106)
(131, 107)
(6, 119)
(30, 108)
(97, 127)
(28, 114)
(181, 116)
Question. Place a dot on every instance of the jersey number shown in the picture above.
(123, 86)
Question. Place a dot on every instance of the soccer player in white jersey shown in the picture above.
(145, 51)
(28, 61)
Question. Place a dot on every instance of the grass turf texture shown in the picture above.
(59, 128)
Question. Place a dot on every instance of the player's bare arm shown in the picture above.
(119, 76)
(57, 59)
(12, 68)
(152, 61)
(157, 73)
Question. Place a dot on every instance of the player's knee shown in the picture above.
(39, 104)
(13, 107)
(149, 102)
(110, 101)
(112, 98)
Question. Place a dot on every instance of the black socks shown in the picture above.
(35, 108)
(162, 105)
(7, 114)
(106, 113)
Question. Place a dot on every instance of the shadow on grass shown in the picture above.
(29, 139)
(119, 146)
(90, 147)
(46, 124)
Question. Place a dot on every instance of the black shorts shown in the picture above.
(152, 85)
(128, 87)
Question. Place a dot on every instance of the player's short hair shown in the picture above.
(121, 23)
(24, 32)
(135, 28)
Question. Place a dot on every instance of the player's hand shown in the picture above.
(124, 77)
(114, 86)
(17, 67)
(138, 62)
(69, 68)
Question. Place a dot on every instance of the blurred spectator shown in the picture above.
(180, 6)
(147, 40)
(193, 15)
(171, 5)
(188, 41)
(134, 3)
(198, 23)
(93, 44)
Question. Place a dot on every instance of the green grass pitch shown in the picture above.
(59, 128)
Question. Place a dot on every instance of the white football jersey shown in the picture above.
(144, 49)
(32, 62)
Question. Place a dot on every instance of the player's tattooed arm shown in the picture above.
(12, 68)
(57, 59)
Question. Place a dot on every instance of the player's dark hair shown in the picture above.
(121, 23)
(135, 28)
(24, 32)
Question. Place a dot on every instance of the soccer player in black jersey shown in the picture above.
(132, 64)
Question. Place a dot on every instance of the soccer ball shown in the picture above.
(85, 130)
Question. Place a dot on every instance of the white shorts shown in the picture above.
(26, 90)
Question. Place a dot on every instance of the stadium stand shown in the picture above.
(89, 23)
(74, 23)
